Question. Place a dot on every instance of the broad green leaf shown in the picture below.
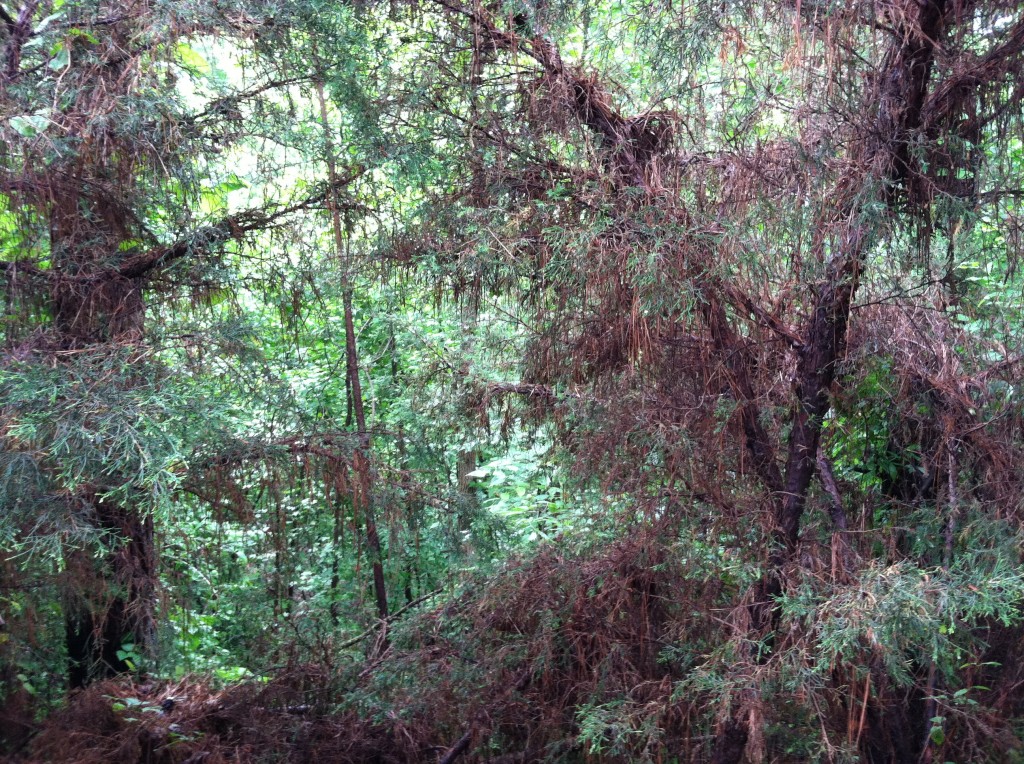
(61, 57)
(30, 125)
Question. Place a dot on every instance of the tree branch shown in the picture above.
(7, 19)
(143, 264)
(20, 30)
(948, 96)
(382, 621)
(828, 481)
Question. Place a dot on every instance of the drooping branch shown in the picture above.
(946, 101)
(333, 446)
(543, 392)
(632, 143)
(143, 264)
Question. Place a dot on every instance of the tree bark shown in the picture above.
(121, 608)
(90, 309)
(362, 499)
(904, 78)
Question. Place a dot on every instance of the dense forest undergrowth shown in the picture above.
(518, 381)
(564, 658)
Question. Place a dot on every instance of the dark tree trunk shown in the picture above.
(121, 610)
(17, 704)
(884, 150)
(897, 724)
(730, 743)
(94, 306)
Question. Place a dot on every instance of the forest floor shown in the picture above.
(192, 722)
(525, 667)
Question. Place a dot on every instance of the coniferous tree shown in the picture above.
(106, 167)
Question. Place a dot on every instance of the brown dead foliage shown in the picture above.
(554, 659)
(192, 721)
(508, 669)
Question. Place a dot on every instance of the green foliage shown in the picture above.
(583, 253)
(518, 488)
(619, 728)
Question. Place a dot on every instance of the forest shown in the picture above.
(509, 381)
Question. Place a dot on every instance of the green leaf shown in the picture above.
(61, 57)
(191, 60)
(26, 684)
(30, 125)
(233, 183)
(85, 35)
(42, 25)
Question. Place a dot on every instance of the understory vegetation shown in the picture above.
(511, 381)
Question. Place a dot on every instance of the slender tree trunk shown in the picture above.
(363, 491)
(410, 562)
(337, 535)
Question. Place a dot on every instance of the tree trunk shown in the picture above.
(120, 610)
(904, 77)
(362, 498)
(94, 307)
